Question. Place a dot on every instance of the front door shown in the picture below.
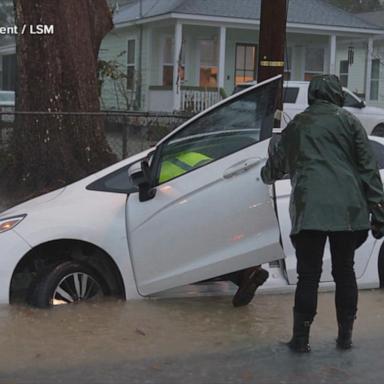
(211, 214)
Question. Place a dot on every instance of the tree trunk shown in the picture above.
(58, 73)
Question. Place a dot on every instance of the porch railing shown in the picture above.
(196, 99)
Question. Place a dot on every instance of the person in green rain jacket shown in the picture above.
(336, 185)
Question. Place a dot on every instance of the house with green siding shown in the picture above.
(377, 57)
(172, 55)
(187, 54)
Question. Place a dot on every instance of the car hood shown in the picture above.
(374, 110)
(23, 208)
(65, 192)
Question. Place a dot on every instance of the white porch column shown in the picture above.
(176, 59)
(332, 55)
(368, 74)
(222, 47)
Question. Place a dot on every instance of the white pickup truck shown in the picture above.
(7, 105)
(296, 100)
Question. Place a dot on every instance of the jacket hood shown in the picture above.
(327, 88)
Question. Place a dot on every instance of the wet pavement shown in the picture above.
(188, 341)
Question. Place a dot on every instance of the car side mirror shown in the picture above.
(362, 104)
(140, 176)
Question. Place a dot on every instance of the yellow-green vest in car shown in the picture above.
(180, 164)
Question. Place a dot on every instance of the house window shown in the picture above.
(245, 66)
(344, 70)
(287, 63)
(9, 73)
(168, 57)
(208, 63)
(314, 62)
(375, 79)
(131, 64)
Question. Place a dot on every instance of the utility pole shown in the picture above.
(140, 64)
(273, 21)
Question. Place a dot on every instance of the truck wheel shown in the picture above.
(68, 282)
(378, 130)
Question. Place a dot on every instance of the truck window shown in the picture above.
(378, 150)
(290, 95)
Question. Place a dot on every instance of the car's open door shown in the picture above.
(211, 213)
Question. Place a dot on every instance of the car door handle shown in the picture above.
(242, 166)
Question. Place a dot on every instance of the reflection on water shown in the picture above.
(109, 332)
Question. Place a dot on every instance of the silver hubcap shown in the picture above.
(76, 287)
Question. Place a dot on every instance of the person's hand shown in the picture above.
(273, 143)
(377, 230)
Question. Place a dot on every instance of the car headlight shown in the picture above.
(10, 222)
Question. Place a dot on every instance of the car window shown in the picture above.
(290, 94)
(350, 101)
(241, 87)
(237, 124)
(118, 182)
(378, 150)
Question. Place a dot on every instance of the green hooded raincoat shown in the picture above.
(334, 175)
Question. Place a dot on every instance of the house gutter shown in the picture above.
(199, 19)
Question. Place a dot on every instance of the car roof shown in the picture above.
(7, 96)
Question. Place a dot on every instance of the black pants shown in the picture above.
(309, 247)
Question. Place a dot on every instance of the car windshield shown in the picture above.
(350, 101)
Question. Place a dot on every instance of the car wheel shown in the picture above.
(380, 267)
(67, 283)
(378, 130)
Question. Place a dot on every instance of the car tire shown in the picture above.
(65, 283)
(380, 266)
(378, 131)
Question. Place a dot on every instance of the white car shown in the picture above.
(192, 208)
(296, 101)
(7, 105)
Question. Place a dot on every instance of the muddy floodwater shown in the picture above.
(199, 339)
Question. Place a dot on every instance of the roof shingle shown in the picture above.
(316, 12)
(376, 18)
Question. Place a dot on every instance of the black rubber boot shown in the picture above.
(301, 327)
(253, 278)
(344, 338)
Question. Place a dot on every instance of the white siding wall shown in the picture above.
(298, 43)
(378, 53)
(356, 78)
(156, 41)
(356, 74)
(146, 65)
(153, 37)
(114, 47)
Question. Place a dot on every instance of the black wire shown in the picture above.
(285, 89)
